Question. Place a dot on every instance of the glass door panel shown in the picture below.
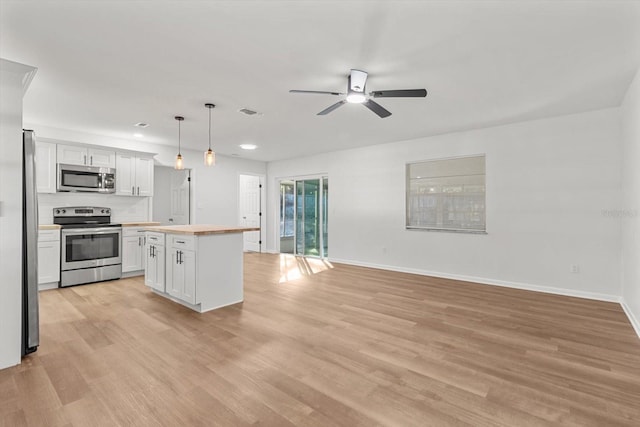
(287, 220)
(325, 215)
(310, 207)
(299, 217)
(312, 217)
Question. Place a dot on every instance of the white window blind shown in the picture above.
(447, 194)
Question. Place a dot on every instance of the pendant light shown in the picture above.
(179, 164)
(209, 155)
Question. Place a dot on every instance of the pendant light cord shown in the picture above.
(179, 136)
(209, 129)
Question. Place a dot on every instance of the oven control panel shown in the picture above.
(81, 211)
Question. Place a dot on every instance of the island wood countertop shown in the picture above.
(140, 223)
(49, 227)
(200, 229)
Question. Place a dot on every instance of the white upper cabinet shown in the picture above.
(134, 175)
(45, 167)
(125, 174)
(144, 176)
(72, 155)
(102, 158)
(77, 155)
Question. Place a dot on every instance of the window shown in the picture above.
(447, 194)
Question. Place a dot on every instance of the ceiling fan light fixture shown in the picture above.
(209, 155)
(356, 98)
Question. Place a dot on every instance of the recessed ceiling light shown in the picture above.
(138, 135)
(248, 146)
(141, 125)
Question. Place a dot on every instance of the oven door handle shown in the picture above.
(103, 230)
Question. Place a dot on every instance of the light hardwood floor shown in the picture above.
(318, 346)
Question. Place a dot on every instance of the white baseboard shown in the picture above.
(632, 318)
(132, 274)
(485, 281)
(47, 286)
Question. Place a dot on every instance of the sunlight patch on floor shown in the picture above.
(294, 267)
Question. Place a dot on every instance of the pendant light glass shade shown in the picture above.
(179, 165)
(209, 155)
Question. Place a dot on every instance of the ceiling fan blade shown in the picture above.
(377, 108)
(319, 92)
(331, 108)
(402, 93)
(357, 80)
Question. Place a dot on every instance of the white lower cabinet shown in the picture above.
(48, 259)
(132, 249)
(155, 262)
(181, 269)
(202, 272)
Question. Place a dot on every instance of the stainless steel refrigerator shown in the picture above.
(30, 308)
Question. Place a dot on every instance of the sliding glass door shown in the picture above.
(309, 213)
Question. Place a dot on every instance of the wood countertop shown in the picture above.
(49, 227)
(140, 224)
(201, 229)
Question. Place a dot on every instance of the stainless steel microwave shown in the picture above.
(86, 178)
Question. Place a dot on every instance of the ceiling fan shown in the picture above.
(356, 95)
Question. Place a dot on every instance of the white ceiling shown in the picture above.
(105, 65)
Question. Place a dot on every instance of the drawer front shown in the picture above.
(155, 238)
(131, 231)
(48, 235)
(184, 242)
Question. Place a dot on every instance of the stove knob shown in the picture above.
(102, 211)
(107, 211)
(64, 211)
(57, 211)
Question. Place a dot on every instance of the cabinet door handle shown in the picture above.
(91, 160)
(133, 191)
(180, 241)
(84, 159)
(154, 251)
(138, 191)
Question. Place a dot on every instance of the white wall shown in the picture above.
(214, 189)
(630, 207)
(123, 208)
(12, 88)
(162, 200)
(549, 183)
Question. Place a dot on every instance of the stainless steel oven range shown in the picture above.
(91, 248)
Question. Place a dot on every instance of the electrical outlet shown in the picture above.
(575, 268)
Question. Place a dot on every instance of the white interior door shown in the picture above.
(180, 182)
(249, 210)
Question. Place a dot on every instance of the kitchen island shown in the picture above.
(199, 266)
